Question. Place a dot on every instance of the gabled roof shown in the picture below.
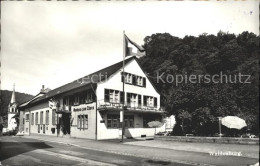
(31, 100)
(87, 80)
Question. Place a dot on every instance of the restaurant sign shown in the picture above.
(83, 108)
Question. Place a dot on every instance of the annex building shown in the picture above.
(90, 106)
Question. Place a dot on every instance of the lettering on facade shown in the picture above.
(83, 109)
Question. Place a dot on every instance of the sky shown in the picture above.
(52, 43)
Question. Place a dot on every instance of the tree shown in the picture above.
(205, 54)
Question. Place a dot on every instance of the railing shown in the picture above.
(102, 104)
(63, 108)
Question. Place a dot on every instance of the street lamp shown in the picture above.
(219, 120)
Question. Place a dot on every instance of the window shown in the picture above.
(114, 96)
(129, 121)
(47, 117)
(79, 122)
(54, 117)
(139, 81)
(134, 79)
(82, 122)
(90, 97)
(32, 122)
(113, 121)
(85, 122)
(132, 99)
(111, 95)
(150, 101)
(36, 118)
(83, 98)
(41, 117)
(76, 101)
(66, 101)
(27, 117)
(128, 78)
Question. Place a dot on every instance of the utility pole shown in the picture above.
(219, 119)
(123, 110)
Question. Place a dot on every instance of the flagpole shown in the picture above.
(123, 111)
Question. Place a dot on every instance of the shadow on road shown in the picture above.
(11, 149)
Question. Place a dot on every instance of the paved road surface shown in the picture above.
(20, 151)
(26, 151)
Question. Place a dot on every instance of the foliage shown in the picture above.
(5, 97)
(197, 105)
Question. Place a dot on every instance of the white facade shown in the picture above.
(94, 113)
(115, 83)
(12, 123)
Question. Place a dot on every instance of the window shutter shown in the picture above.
(128, 98)
(139, 100)
(83, 122)
(155, 102)
(134, 79)
(122, 97)
(145, 100)
(106, 95)
(144, 82)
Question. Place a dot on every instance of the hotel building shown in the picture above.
(90, 106)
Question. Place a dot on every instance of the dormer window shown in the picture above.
(128, 78)
(134, 79)
(139, 81)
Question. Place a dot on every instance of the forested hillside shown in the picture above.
(197, 105)
(5, 97)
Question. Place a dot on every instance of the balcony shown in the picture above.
(130, 107)
(63, 109)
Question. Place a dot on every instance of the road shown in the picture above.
(26, 151)
(20, 151)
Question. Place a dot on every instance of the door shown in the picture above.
(66, 123)
(44, 129)
(39, 128)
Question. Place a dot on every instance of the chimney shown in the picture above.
(42, 90)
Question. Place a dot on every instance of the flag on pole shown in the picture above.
(133, 49)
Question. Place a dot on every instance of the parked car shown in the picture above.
(20, 134)
(162, 133)
(248, 135)
(11, 132)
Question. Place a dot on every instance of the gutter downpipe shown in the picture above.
(29, 121)
(96, 112)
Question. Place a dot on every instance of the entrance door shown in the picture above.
(66, 123)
